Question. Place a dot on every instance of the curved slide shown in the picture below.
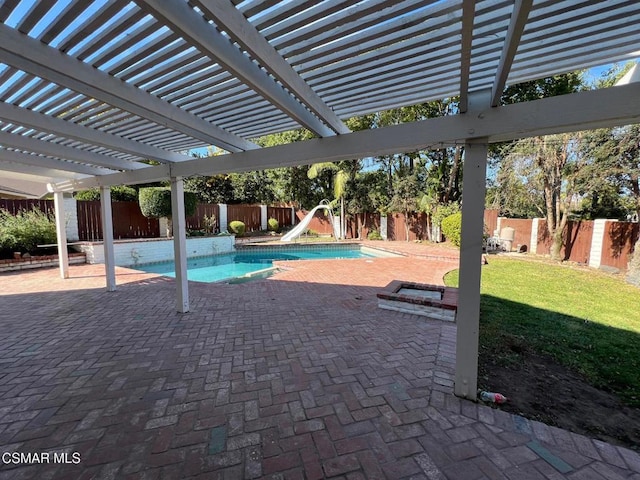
(302, 226)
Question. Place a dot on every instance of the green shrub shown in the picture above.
(26, 230)
(237, 227)
(273, 225)
(119, 193)
(155, 202)
(451, 228)
(374, 235)
(124, 193)
(92, 195)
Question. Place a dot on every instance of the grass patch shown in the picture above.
(584, 319)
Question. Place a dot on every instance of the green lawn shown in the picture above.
(587, 320)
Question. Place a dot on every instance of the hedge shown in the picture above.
(452, 227)
(155, 202)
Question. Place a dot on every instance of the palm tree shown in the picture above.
(340, 178)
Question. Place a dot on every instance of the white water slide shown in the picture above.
(302, 226)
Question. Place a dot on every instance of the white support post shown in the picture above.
(293, 215)
(224, 221)
(61, 234)
(533, 240)
(263, 217)
(468, 316)
(383, 227)
(179, 244)
(107, 238)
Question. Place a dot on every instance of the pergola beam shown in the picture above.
(230, 19)
(182, 19)
(30, 55)
(518, 22)
(45, 123)
(579, 111)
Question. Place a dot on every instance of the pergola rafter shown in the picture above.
(29, 55)
(235, 24)
(179, 17)
(44, 147)
(46, 123)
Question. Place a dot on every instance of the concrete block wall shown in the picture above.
(597, 241)
(71, 218)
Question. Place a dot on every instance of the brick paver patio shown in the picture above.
(299, 376)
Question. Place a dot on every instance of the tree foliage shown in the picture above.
(405, 199)
(119, 193)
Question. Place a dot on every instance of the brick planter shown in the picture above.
(433, 301)
(38, 261)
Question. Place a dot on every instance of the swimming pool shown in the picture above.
(246, 262)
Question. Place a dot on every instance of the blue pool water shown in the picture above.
(217, 268)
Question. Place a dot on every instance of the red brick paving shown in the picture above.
(296, 376)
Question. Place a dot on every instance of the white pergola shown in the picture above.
(90, 89)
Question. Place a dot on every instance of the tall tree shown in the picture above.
(252, 187)
(210, 189)
(366, 193)
(557, 164)
(551, 163)
(405, 199)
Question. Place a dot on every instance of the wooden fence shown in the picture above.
(247, 214)
(522, 230)
(320, 223)
(396, 227)
(618, 239)
(281, 214)
(197, 222)
(14, 206)
(128, 221)
(366, 222)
